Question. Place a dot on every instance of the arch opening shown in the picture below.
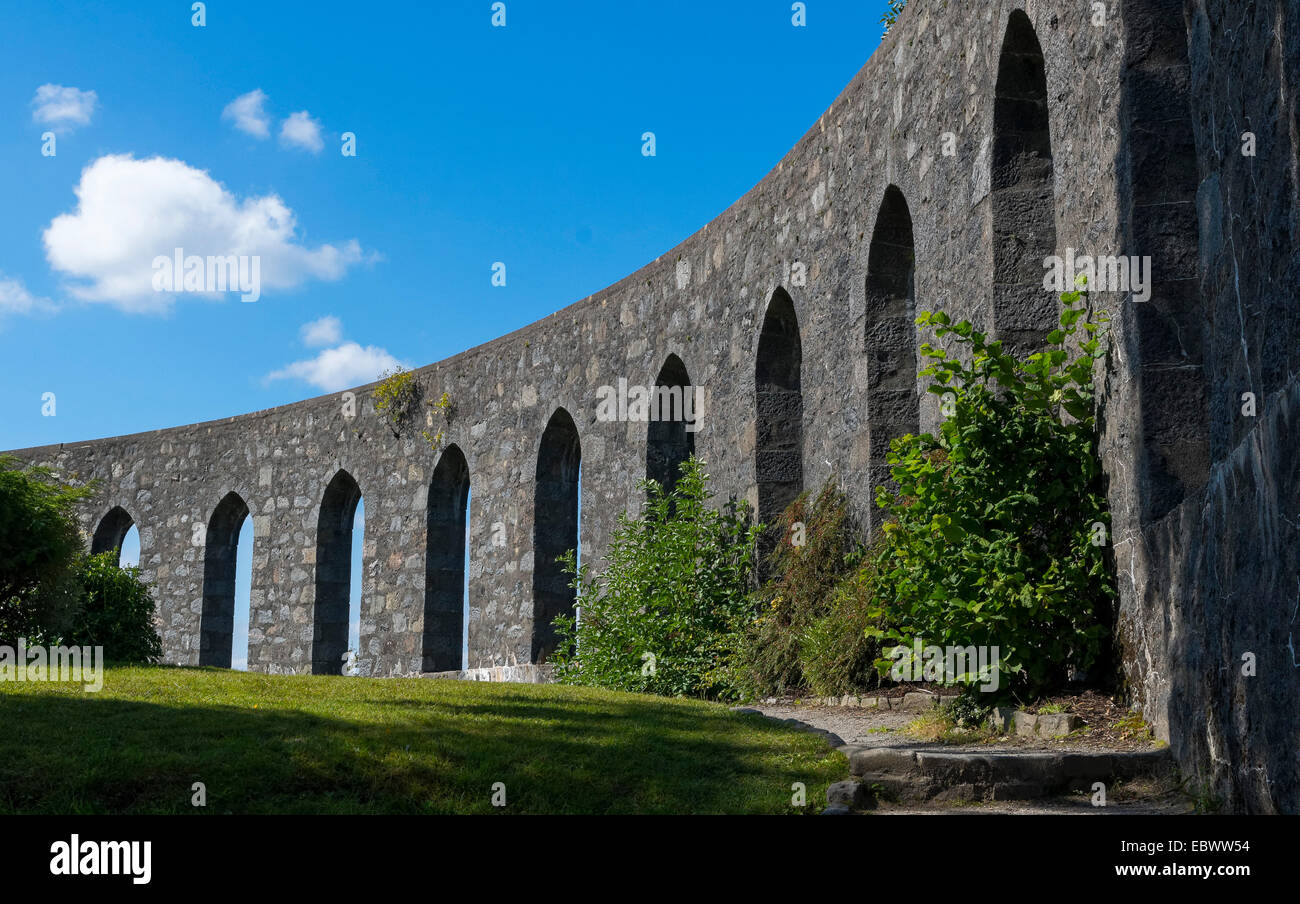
(1163, 224)
(129, 554)
(334, 553)
(244, 617)
(778, 454)
(555, 528)
(1023, 197)
(893, 405)
(111, 532)
(444, 564)
(668, 441)
(221, 555)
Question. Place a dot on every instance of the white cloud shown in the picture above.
(63, 108)
(248, 115)
(301, 131)
(130, 211)
(16, 299)
(326, 331)
(338, 368)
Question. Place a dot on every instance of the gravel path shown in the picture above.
(884, 728)
(857, 727)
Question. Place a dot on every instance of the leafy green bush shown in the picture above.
(794, 617)
(40, 547)
(664, 615)
(991, 533)
(50, 591)
(117, 612)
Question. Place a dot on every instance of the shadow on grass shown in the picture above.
(64, 753)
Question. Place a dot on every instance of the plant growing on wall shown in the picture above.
(998, 526)
(440, 414)
(399, 400)
(891, 14)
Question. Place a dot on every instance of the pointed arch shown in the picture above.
(555, 527)
(778, 450)
(111, 531)
(444, 563)
(221, 545)
(333, 574)
(668, 441)
(1023, 196)
(1162, 223)
(893, 406)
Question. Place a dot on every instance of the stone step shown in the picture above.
(912, 701)
(911, 774)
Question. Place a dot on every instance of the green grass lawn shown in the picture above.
(275, 744)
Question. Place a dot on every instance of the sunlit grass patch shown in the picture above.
(317, 744)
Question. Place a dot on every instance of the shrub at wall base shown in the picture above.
(663, 617)
(994, 526)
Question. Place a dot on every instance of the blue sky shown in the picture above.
(475, 144)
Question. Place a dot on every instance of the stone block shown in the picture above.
(1046, 725)
(854, 795)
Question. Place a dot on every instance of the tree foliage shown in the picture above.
(664, 615)
(40, 549)
(117, 612)
(50, 590)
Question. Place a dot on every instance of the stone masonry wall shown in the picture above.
(1212, 574)
(1207, 559)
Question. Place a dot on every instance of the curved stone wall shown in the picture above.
(946, 169)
